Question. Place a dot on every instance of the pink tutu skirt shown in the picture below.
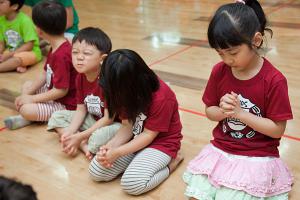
(257, 176)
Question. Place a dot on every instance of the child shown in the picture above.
(55, 89)
(72, 17)
(13, 190)
(150, 134)
(90, 47)
(19, 43)
(248, 96)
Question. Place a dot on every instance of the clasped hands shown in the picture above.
(230, 105)
(107, 155)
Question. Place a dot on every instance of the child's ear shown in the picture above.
(15, 6)
(103, 56)
(257, 39)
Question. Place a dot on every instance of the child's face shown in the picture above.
(4, 7)
(238, 57)
(86, 58)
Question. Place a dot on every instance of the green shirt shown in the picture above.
(66, 3)
(19, 31)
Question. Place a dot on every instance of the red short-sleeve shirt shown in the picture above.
(264, 95)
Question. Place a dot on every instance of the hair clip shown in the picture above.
(240, 1)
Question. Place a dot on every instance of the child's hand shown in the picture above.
(106, 156)
(65, 134)
(5, 56)
(237, 109)
(228, 103)
(23, 99)
(71, 144)
(17, 103)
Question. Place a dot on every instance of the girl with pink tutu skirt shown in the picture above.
(248, 97)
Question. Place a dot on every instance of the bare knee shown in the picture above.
(29, 112)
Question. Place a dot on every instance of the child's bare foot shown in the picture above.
(84, 149)
(175, 162)
(89, 155)
(21, 69)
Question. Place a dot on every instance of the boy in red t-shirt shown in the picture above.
(90, 47)
(55, 88)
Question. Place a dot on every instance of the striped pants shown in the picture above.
(142, 172)
(46, 109)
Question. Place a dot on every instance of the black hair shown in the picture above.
(96, 37)
(128, 83)
(19, 2)
(50, 16)
(13, 190)
(236, 23)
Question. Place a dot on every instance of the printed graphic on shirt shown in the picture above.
(94, 104)
(138, 125)
(235, 127)
(49, 73)
(14, 40)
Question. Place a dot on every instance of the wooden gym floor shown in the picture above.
(171, 36)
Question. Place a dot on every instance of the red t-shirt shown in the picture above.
(265, 95)
(163, 117)
(90, 94)
(61, 74)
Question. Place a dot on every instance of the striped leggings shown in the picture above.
(142, 172)
(46, 109)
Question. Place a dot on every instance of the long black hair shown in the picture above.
(236, 23)
(128, 83)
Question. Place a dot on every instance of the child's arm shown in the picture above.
(72, 142)
(37, 84)
(263, 125)
(123, 135)
(24, 47)
(77, 120)
(52, 94)
(28, 46)
(2, 47)
(214, 113)
(109, 155)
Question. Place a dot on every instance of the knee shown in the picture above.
(28, 112)
(99, 173)
(134, 184)
(99, 138)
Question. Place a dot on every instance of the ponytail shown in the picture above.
(255, 5)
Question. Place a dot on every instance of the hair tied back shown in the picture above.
(240, 1)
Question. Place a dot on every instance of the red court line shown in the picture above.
(193, 112)
(291, 137)
(3, 128)
(171, 55)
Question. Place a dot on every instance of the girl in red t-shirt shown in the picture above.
(248, 96)
(146, 146)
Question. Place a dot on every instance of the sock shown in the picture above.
(15, 122)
